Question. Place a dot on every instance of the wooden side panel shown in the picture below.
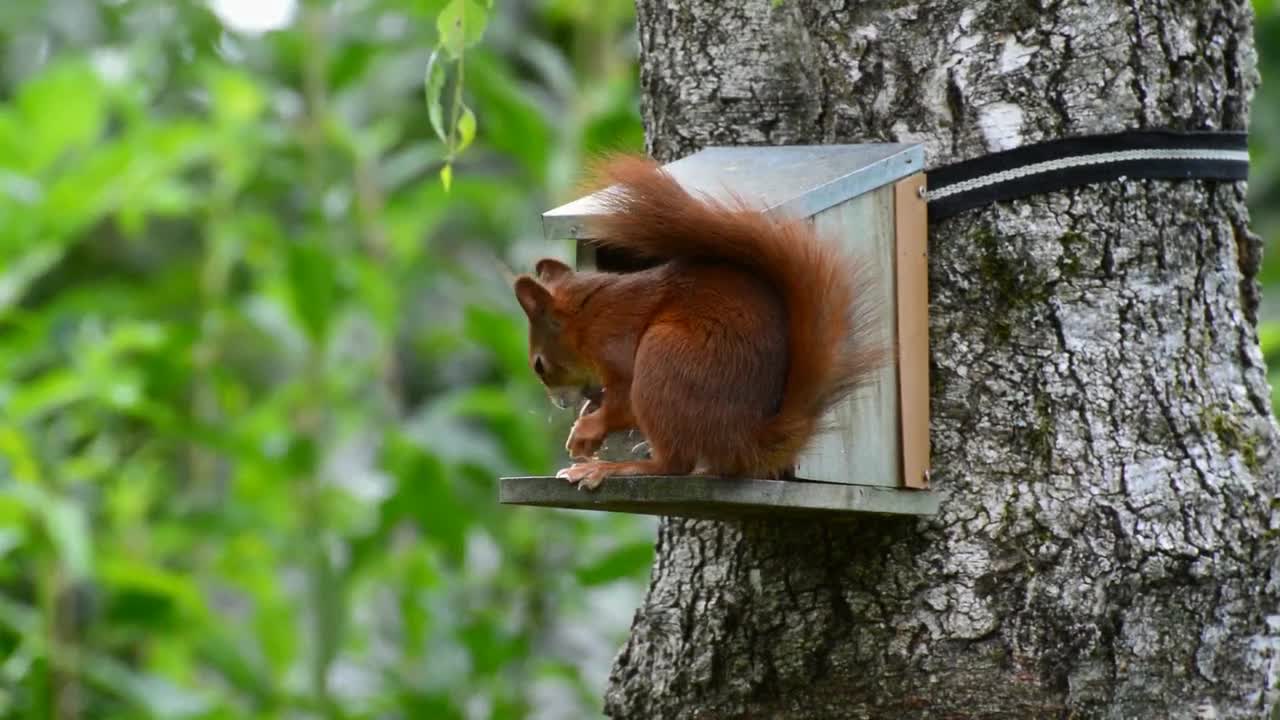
(913, 328)
(864, 447)
(584, 255)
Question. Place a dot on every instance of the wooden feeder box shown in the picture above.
(868, 198)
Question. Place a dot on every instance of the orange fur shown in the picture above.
(726, 355)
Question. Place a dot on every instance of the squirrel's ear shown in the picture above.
(551, 270)
(534, 298)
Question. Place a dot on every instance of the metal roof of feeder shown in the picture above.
(798, 181)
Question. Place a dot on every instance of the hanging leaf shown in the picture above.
(461, 25)
(434, 83)
(466, 129)
(446, 177)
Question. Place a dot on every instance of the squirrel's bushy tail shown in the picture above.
(832, 341)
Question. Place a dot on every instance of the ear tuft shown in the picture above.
(550, 270)
(533, 297)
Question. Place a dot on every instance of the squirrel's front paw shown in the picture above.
(584, 440)
(587, 476)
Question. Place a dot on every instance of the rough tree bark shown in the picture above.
(1102, 424)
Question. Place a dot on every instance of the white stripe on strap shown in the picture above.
(1083, 160)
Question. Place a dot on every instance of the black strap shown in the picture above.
(1057, 164)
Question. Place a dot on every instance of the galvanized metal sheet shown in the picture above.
(795, 180)
(862, 445)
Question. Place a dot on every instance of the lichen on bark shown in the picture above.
(1102, 430)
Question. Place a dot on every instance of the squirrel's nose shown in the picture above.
(561, 398)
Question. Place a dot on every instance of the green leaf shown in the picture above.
(490, 403)
(1269, 338)
(504, 334)
(18, 617)
(247, 673)
(314, 288)
(301, 457)
(13, 151)
(10, 539)
(490, 645)
(68, 530)
(624, 562)
(25, 270)
(64, 523)
(379, 293)
(351, 62)
(466, 129)
(446, 176)
(236, 97)
(18, 455)
(47, 393)
(434, 86)
(150, 694)
(460, 25)
(124, 574)
(514, 123)
(64, 109)
(501, 409)
(436, 706)
(158, 696)
(424, 493)
(88, 190)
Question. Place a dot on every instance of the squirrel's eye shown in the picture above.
(537, 365)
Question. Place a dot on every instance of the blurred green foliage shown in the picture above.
(1264, 181)
(259, 371)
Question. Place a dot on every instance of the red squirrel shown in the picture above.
(726, 355)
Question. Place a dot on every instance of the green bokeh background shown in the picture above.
(259, 370)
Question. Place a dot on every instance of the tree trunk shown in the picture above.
(1102, 427)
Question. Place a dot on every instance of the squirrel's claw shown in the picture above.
(587, 475)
